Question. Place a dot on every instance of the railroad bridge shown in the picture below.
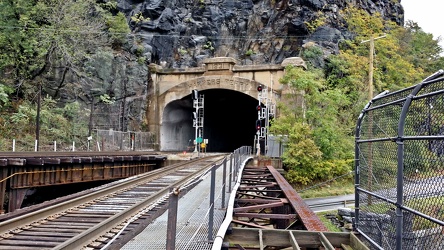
(230, 100)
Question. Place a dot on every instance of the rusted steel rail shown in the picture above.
(266, 200)
(20, 171)
(90, 220)
(307, 217)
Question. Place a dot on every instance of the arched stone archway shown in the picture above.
(169, 113)
(229, 119)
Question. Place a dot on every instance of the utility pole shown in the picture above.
(371, 59)
(370, 118)
(37, 120)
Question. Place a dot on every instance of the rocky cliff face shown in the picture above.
(180, 33)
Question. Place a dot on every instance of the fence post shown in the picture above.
(13, 145)
(224, 181)
(211, 216)
(35, 145)
(230, 176)
(55, 146)
(172, 219)
(73, 146)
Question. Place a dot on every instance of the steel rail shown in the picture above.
(26, 219)
(100, 229)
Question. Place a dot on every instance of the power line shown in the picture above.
(256, 37)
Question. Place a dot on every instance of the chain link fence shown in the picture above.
(399, 168)
(110, 140)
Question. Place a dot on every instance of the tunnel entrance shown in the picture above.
(229, 121)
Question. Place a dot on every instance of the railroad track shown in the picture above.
(91, 220)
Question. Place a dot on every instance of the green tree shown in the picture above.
(319, 144)
(21, 43)
(46, 41)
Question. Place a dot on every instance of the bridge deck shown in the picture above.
(20, 171)
(264, 202)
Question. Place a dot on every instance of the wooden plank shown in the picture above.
(76, 160)
(280, 238)
(325, 242)
(16, 162)
(293, 241)
(33, 243)
(127, 158)
(52, 161)
(97, 159)
(356, 244)
(48, 233)
(336, 240)
(66, 160)
(41, 238)
(85, 159)
(3, 162)
(108, 159)
(261, 240)
(346, 247)
(34, 161)
(118, 158)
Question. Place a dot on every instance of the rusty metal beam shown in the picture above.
(255, 207)
(253, 225)
(258, 201)
(266, 216)
(310, 220)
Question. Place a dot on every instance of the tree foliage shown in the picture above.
(47, 43)
(62, 124)
(318, 145)
(319, 114)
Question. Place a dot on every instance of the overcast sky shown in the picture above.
(428, 14)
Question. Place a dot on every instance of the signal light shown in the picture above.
(195, 94)
(258, 125)
(259, 88)
(258, 107)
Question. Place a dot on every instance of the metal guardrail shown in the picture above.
(399, 170)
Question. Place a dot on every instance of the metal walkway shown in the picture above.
(261, 201)
(192, 220)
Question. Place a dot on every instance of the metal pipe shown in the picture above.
(224, 182)
(211, 215)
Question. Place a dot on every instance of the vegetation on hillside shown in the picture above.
(48, 43)
(320, 113)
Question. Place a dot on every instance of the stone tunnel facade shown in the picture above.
(230, 97)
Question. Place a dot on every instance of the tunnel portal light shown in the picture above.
(259, 88)
(258, 125)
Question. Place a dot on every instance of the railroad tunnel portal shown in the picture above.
(230, 100)
(229, 121)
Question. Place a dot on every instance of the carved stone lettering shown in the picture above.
(234, 83)
(218, 66)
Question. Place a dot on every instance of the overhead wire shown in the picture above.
(233, 37)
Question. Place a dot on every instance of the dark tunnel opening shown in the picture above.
(229, 121)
